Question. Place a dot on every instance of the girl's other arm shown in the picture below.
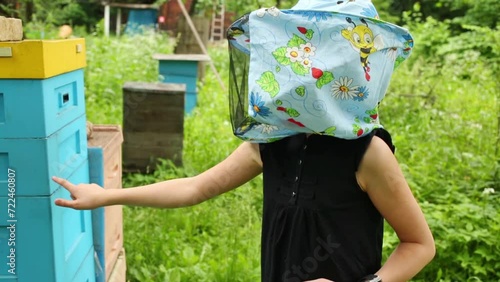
(380, 176)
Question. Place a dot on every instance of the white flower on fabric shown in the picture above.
(308, 49)
(273, 11)
(342, 89)
(266, 128)
(261, 12)
(307, 63)
(294, 54)
(392, 53)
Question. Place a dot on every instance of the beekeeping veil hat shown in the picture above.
(321, 67)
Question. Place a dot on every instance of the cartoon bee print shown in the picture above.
(363, 41)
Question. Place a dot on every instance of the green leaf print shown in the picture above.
(398, 62)
(295, 41)
(309, 34)
(280, 56)
(301, 91)
(292, 112)
(299, 68)
(330, 130)
(268, 83)
(278, 69)
(326, 78)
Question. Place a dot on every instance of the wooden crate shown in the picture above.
(106, 170)
(119, 272)
(153, 124)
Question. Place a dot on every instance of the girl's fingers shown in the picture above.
(64, 183)
(65, 203)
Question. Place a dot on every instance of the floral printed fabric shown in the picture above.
(321, 67)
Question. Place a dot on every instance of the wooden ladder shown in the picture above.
(217, 26)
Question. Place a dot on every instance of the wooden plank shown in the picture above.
(181, 57)
(133, 6)
(155, 88)
(151, 139)
(119, 271)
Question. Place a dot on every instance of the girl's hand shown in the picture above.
(85, 196)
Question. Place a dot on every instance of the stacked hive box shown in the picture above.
(106, 170)
(182, 69)
(42, 133)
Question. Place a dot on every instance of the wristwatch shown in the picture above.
(371, 278)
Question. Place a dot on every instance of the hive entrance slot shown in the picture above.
(65, 98)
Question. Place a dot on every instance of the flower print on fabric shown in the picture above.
(392, 53)
(294, 54)
(372, 116)
(323, 76)
(370, 12)
(307, 50)
(266, 128)
(357, 128)
(299, 55)
(269, 84)
(257, 106)
(318, 16)
(362, 94)
(273, 11)
(342, 89)
(363, 41)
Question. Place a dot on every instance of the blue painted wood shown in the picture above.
(182, 72)
(86, 271)
(36, 108)
(51, 243)
(140, 20)
(36, 160)
(179, 67)
(96, 169)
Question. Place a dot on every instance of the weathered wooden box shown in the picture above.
(105, 160)
(153, 124)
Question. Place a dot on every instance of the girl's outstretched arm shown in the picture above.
(238, 168)
(380, 176)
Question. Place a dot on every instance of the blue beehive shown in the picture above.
(51, 243)
(43, 133)
(182, 69)
(140, 20)
(36, 108)
(36, 160)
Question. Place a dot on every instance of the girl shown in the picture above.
(326, 193)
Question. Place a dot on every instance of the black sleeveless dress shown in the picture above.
(317, 222)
